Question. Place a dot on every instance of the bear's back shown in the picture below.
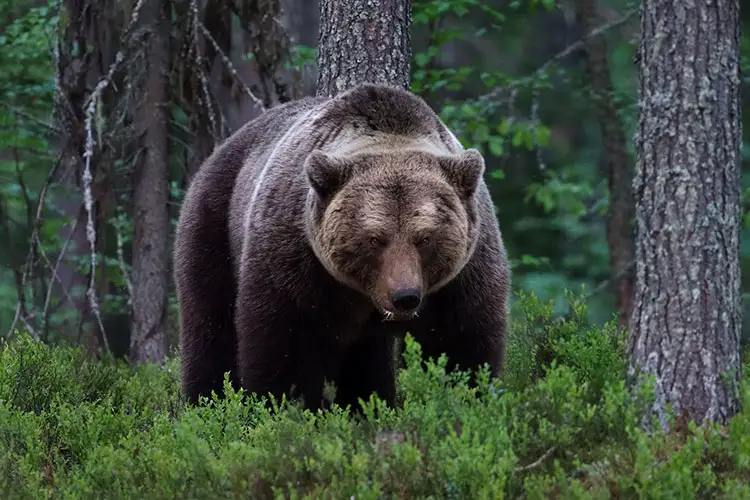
(207, 200)
(248, 153)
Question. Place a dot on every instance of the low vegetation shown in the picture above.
(561, 423)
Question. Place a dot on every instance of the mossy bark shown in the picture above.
(686, 317)
(363, 41)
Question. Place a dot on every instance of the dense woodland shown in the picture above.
(615, 140)
(512, 78)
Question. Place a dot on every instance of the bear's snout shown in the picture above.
(406, 300)
(399, 290)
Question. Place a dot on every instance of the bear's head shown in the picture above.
(394, 225)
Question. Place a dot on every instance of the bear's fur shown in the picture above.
(301, 232)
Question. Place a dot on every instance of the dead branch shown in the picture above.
(270, 45)
(497, 91)
(87, 178)
(55, 277)
(195, 48)
(536, 463)
(91, 109)
(231, 69)
(32, 247)
(120, 255)
(48, 126)
(29, 328)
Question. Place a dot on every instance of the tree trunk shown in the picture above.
(75, 69)
(686, 317)
(619, 225)
(363, 41)
(151, 215)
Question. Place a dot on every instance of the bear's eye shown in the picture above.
(376, 242)
(423, 241)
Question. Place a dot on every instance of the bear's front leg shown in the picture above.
(469, 327)
(368, 367)
(278, 348)
(467, 344)
(467, 319)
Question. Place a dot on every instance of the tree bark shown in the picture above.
(150, 196)
(363, 41)
(621, 207)
(686, 317)
(75, 69)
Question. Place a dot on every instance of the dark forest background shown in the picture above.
(546, 90)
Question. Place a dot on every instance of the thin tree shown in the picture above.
(618, 164)
(148, 341)
(363, 41)
(686, 317)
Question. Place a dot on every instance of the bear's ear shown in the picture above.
(464, 171)
(326, 173)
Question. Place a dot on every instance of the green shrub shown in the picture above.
(560, 422)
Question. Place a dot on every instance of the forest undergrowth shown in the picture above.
(560, 423)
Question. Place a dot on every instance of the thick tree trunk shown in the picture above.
(151, 215)
(686, 317)
(619, 225)
(363, 41)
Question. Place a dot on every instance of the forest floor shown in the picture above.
(560, 422)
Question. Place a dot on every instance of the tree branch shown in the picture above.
(32, 248)
(55, 277)
(493, 95)
(230, 67)
(536, 463)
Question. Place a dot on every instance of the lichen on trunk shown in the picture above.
(363, 41)
(686, 317)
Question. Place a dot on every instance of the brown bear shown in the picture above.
(319, 232)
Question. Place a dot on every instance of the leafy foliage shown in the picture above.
(492, 69)
(26, 87)
(560, 422)
(551, 199)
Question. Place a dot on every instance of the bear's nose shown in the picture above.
(406, 299)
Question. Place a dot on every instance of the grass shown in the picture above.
(560, 423)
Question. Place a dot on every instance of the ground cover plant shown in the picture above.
(561, 423)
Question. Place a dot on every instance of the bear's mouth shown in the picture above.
(399, 316)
